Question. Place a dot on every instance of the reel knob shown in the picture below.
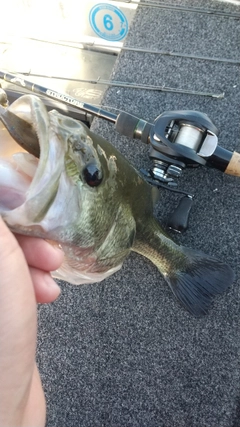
(178, 220)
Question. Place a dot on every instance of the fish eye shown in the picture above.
(92, 175)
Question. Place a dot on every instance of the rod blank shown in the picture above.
(66, 99)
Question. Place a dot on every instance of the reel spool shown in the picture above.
(179, 139)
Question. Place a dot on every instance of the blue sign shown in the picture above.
(108, 22)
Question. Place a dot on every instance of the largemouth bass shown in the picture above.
(83, 194)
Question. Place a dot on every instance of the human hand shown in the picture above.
(25, 264)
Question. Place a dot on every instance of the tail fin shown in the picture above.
(201, 279)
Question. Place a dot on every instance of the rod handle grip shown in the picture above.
(233, 167)
(133, 127)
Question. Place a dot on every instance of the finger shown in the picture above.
(46, 289)
(39, 253)
(15, 281)
(18, 323)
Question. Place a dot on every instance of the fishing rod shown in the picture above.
(177, 139)
(19, 80)
(93, 45)
(130, 85)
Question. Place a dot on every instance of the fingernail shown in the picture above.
(55, 245)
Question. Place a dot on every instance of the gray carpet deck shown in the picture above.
(123, 353)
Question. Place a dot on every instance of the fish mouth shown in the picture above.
(29, 185)
(16, 175)
(39, 194)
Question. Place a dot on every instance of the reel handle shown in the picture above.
(178, 220)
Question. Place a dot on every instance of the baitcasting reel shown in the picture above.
(179, 139)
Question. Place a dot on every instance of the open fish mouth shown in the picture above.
(16, 176)
(42, 192)
(29, 185)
